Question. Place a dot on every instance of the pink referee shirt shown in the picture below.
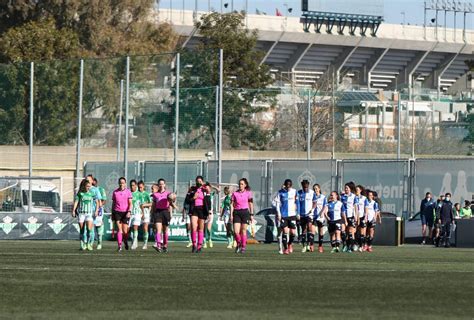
(161, 200)
(199, 201)
(120, 200)
(241, 199)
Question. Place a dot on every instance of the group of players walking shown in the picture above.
(350, 216)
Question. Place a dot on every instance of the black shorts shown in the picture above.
(288, 222)
(200, 212)
(120, 216)
(362, 223)
(304, 221)
(162, 216)
(241, 216)
(334, 226)
(371, 224)
(351, 222)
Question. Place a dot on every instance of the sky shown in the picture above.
(390, 9)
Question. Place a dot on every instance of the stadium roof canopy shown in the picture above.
(392, 59)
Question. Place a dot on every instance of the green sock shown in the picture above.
(145, 237)
(83, 234)
(91, 235)
(100, 234)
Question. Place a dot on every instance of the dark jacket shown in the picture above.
(427, 208)
(446, 212)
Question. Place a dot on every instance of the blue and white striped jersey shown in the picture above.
(321, 202)
(335, 210)
(305, 202)
(372, 207)
(361, 206)
(350, 201)
(286, 202)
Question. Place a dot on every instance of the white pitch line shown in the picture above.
(68, 269)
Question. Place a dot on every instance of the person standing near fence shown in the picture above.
(306, 202)
(98, 221)
(161, 209)
(361, 221)
(350, 201)
(225, 216)
(445, 218)
(319, 218)
(121, 210)
(427, 213)
(372, 216)
(286, 213)
(85, 209)
(145, 206)
(137, 213)
(212, 191)
(96, 205)
(241, 212)
(199, 215)
(187, 214)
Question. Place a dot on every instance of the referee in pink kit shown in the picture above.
(241, 213)
(121, 208)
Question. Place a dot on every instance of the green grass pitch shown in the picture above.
(54, 280)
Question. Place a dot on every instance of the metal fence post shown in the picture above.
(216, 142)
(127, 106)
(221, 107)
(79, 123)
(119, 131)
(308, 144)
(399, 119)
(30, 149)
(176, 122)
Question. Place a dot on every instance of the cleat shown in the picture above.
(237, 250)
(364, 248)
(234, 245)
(205, 245)
(337, 249)
(360, 249)
(423, 242)
(344, 249)
(89, 247)
(165, 250)
(334, 250)
(210, 243)
(242, 251)
(349, 251)
(369, 249)
(193, 250)
(280, 251)
(83, 245)
(199, 250)
(126, 245)
(99, 246)
(311, 248)
(286, 251)
(189, 245)
(145, 247)
(229, 246)
(304, 249)
(157, 248)
(119, 249)
(134, 245)
(320, 249)
(290, 248)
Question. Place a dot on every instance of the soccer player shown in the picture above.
(319, 215)
(437, 226)
(427, 209)
(161, 209)
(361, 224)
(210, 218)
(225, 216)
(121, 210)
(137, 212)
(306, 202)
(187, 213)
(241, 212)
(199, 215)
(145, 206)
(286, 214)
(86, 210)
(98, 221)
(445, 218)
(350, 201)
(97, 196)
(372, 215)
(335, 215)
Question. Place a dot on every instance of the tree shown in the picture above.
(245, 82)
(54, 34)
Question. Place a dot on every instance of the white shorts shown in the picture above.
(146, 215)
(98, 221)
(136, 219)
(85, 217)
(226, 216)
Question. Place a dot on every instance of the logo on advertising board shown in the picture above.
(57, 226)
(7, 225)
(32, 226)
